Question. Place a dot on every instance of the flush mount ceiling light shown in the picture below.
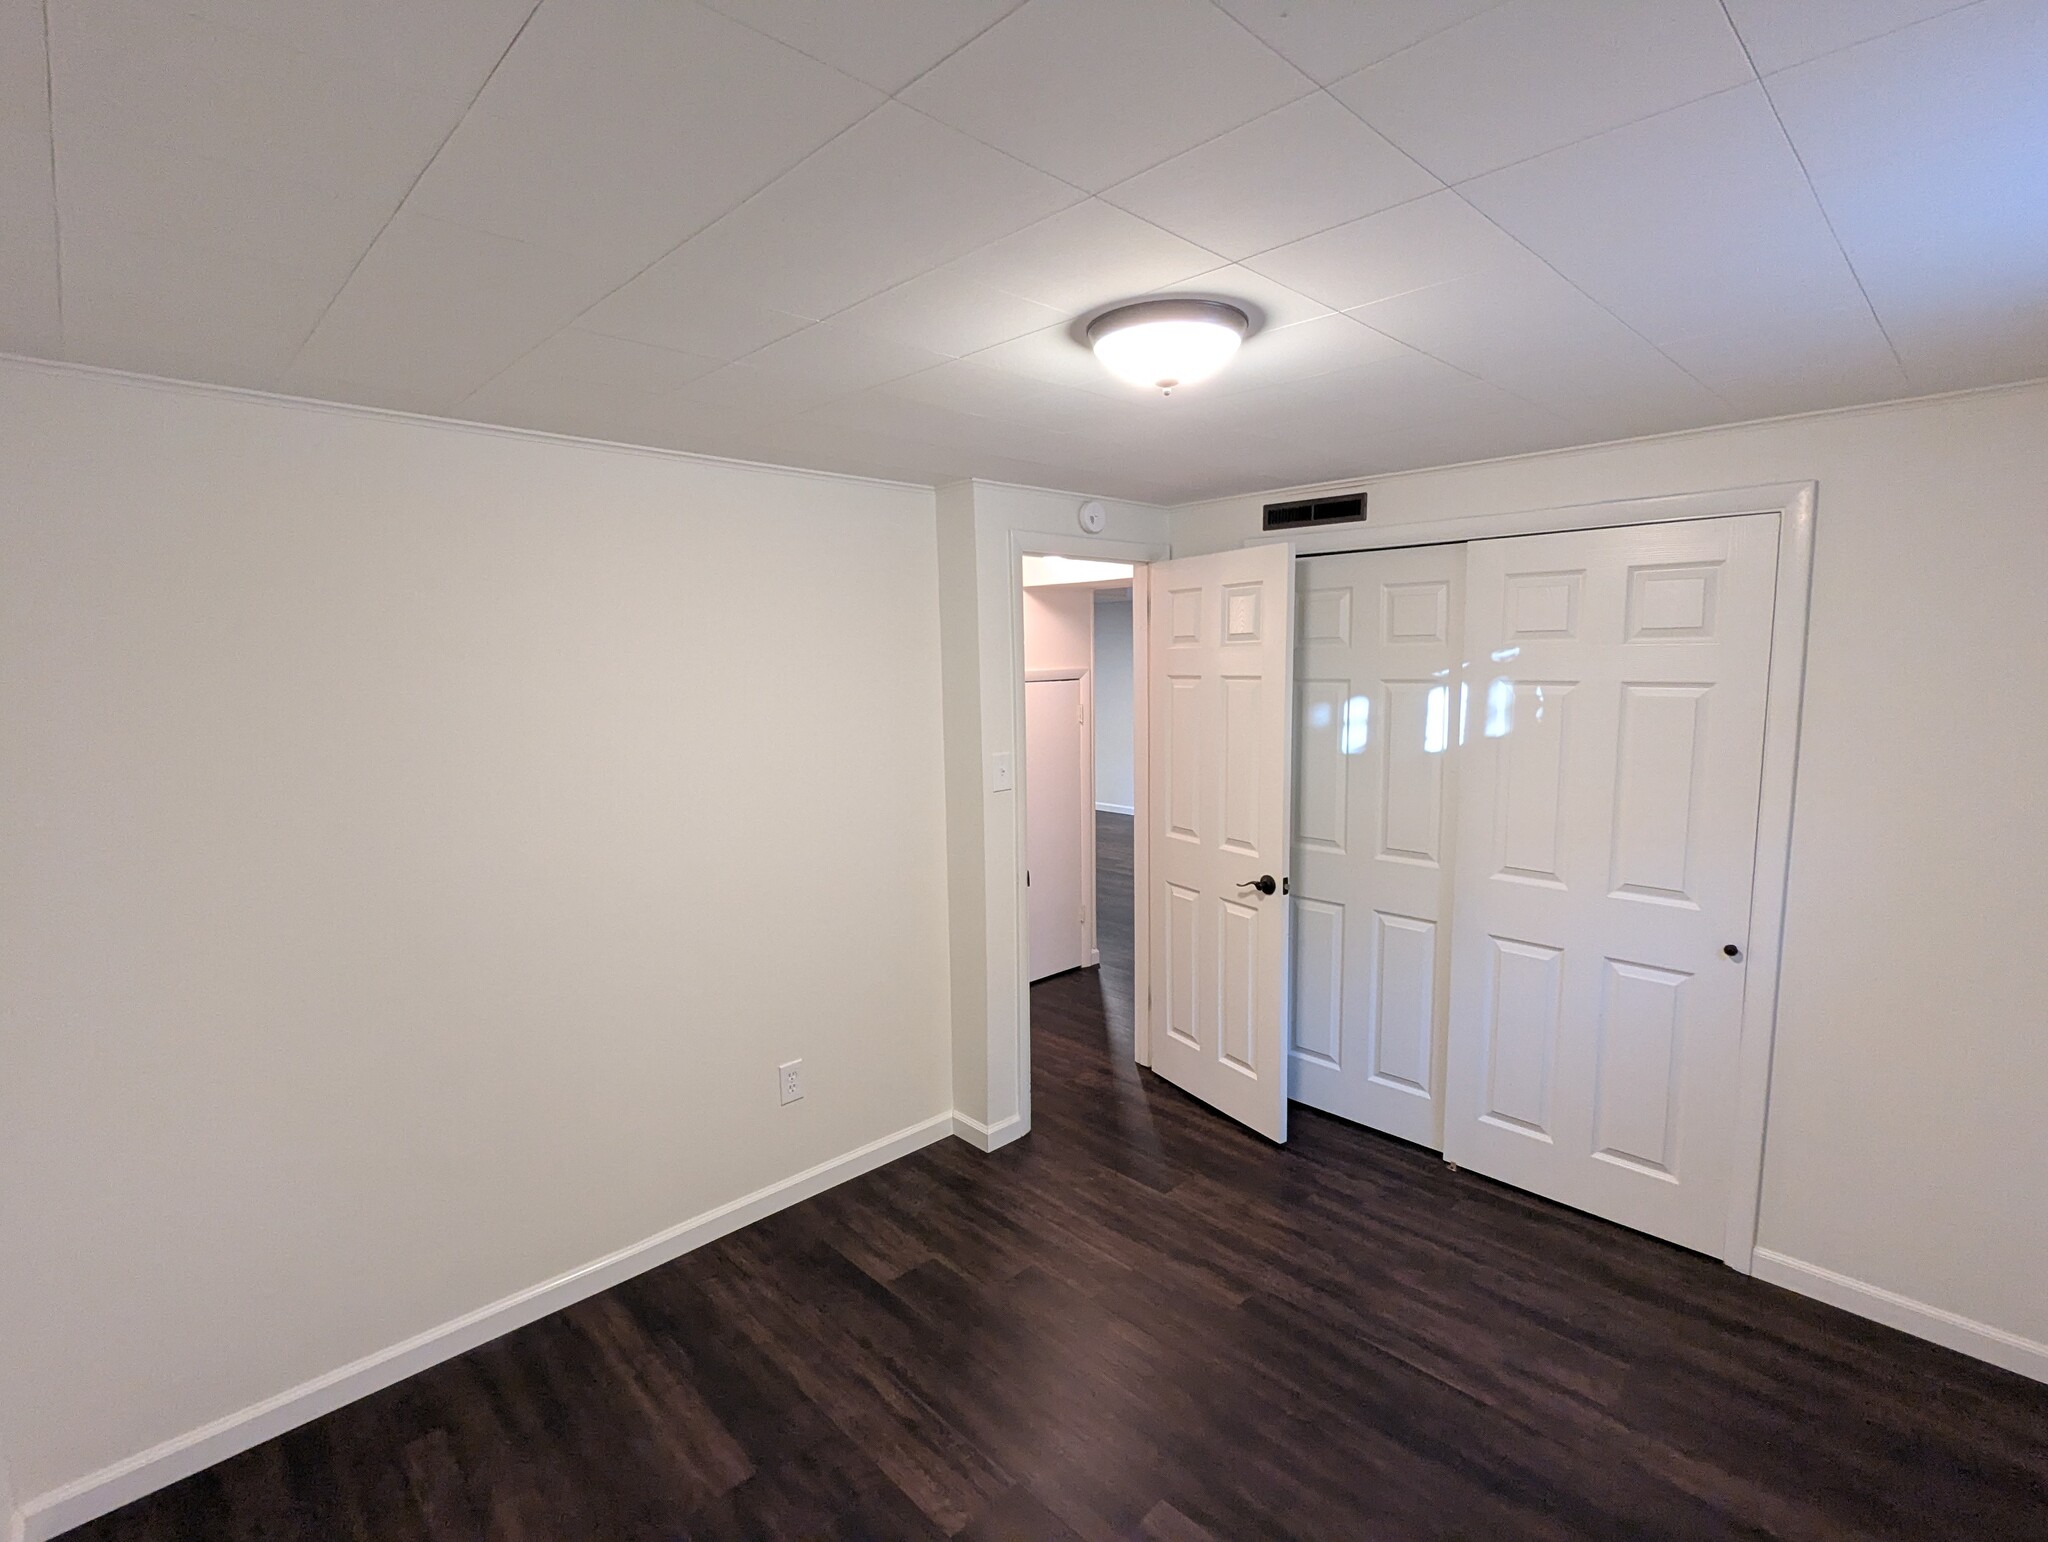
(1167, 343)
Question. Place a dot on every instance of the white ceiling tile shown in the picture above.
(609, 127)
(809, 368)
(1532, 75)
(1697, 219)
(842, 359)
(438, 308)
(576, 355)
(1429, 241)
(877, 410)
(555, 404)
(1399, 391)
(447, 48)
(1456, 441)
(1526, 330)
(1299, 169)
(164, 76)
(129, 190)
(1095, 92)
(1085, 256)
(1269, 303)
(1778, 34)
(675, 422)
(1303, 352)
(24, 70)
(947, 312)
(1326, 39)
(1928, 148)
(696, 301)
(28, 234)
(1053, 356)
(1793, 362)
(170, 310)
(887, 46)
(984, 390)
(894, 196)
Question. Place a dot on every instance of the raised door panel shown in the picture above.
(1322, 768)
(1318, 1032)
(1525, 991)
(1412, 783)
(1635, 1113)
(1657, 786)
(1404, 1004)
(1180, 962)
(1244, 729)
(1531, 719)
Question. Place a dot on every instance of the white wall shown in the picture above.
(1113, 684)
(1905, 1147)
(1059, 628)
(981, 526)
(420, 846)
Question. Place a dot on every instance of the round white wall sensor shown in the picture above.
(1093, 517)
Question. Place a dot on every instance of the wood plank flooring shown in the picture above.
(1141, 1322)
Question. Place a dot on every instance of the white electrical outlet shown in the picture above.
(790, 1075)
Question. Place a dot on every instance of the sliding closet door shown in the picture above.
(1375, 714)
(1606, 844)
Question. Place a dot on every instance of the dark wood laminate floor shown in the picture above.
(1141, 1322)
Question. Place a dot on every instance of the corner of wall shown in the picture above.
(960, 689)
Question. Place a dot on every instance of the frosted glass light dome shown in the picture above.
(1167, 343)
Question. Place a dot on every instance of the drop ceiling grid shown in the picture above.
(641, 294)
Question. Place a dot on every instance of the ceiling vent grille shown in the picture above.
(1315, 511)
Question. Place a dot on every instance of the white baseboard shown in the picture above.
(1115, 808)
(1936, 1324)
(48, 1515)
(987, 1137)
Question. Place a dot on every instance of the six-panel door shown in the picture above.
(1376, 694)
(1220, 680)
(1606, 845)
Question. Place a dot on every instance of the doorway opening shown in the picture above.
(1080, 803)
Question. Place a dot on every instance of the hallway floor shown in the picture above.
(1143, 1322)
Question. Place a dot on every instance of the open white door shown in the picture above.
(1606, 853)
(1220, 679)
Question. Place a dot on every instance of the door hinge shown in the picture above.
(1084, 915)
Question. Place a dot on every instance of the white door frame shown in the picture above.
(1091, 954)
(1793, 503)
(1034, 543)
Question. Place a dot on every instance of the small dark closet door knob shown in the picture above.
(1263, 883)
(1732, 951)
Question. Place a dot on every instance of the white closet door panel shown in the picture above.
(1376, 688)
(1607, 802)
